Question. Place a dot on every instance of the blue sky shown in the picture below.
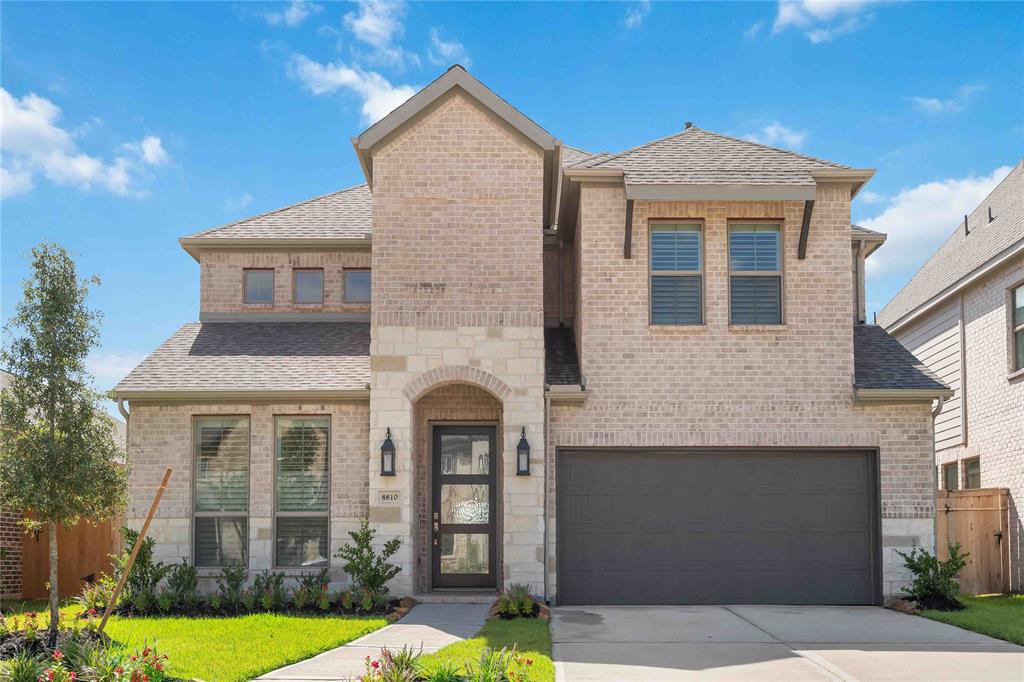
(126, 126)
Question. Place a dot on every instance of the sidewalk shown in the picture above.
(427, 626)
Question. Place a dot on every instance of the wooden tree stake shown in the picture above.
(135, 549)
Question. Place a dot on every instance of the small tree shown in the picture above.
(59, 458)
(369, 571)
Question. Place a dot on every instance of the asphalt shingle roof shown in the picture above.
(257, 356)
(561, 366)
(963, 253)
(701, 157)
(879, 361)
(346, 214)
(858, 230)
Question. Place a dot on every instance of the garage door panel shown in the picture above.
(641, 527)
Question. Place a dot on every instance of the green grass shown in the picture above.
(995, 615)
(229, 649)
(532, 639)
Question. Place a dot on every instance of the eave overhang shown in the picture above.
(195, 245)
(857, 177)
(247, 396)
(900, 395)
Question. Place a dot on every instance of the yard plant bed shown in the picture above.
(531, 638)
(995, 615)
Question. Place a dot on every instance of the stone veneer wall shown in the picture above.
(448, 403)
(222, 280)
(719, 385)
(10, 541)
(161, 435)
(994, 401)
(457, 298)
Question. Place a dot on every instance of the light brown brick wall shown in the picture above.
(458, 298)
(10, 541)
(719, 385)
(222, 279)
(161, 436)
(994, 402)
(451, 403)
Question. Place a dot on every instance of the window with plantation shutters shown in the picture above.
(301, 490)
(221, 491)
(676, 273)
(755, 273)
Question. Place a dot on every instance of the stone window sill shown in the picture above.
(758, 327)
(678, 327)
(1013, 376)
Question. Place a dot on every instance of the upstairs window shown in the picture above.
(302, 491)
(755, 273)
(676, 273)
(259, 286)
(221, 494)
(309, 286)
(1017, 328)
(357, 286)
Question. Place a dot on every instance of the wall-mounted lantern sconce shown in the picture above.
(523, 455)
(387, 456)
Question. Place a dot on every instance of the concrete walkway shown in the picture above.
(667, 643)
(428, 627)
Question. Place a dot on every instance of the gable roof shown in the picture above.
(884, 367)
(218, 358)
(697, 156)
(965, 256)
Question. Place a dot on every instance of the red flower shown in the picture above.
(49, 673)
(71, 675)
(375, 664)
(57, 655)
(529, 661)
(118, 670)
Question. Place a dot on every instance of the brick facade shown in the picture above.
(222, 280)
(10, 565)
(452, 297)
(162, 436)
(718, 385)
(994, 402)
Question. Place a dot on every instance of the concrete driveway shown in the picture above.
(771, 642)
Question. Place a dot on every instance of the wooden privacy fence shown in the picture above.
(979, 520)
(83, 550)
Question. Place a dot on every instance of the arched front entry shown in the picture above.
(458, 439)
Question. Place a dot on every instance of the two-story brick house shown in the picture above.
(629, 378)
(962, 314)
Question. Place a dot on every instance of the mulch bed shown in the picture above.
(12, 643)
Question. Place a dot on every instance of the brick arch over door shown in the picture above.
(456, 374)
(450, 402)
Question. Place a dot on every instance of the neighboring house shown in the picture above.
(963, 315)
(620, 378)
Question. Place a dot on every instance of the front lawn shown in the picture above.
(229, 649)
(530, 637)
(995, 615)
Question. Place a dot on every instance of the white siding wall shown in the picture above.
(936, 342)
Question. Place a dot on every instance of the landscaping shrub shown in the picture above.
(97, 595)
(400, 666)
(516, 602)
(269, 590)
(505, 665)
(312, 590)
(369, 571)
(934, 585)
(231, 586)
(183, 585)
(140, 589)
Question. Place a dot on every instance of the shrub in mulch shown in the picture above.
(517, 602)
(938, 602)
(934, 584)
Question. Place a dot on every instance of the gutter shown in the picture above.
(352, 394)
(547, 444)
(900, 395)
(194, 245)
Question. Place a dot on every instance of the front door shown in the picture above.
(464, 506)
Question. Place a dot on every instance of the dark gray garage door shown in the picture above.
(717, 527)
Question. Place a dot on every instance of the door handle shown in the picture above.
(436, 542)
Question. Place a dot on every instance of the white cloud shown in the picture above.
(959, 100)
(150, 151)
(294, 14)
(379, 96)
(378, 23)
(238, 203)
(446, 52)
(751, 31)
(32, 143)
(109, 368)
(776, 134)
(822, 20)
(636, 14)
(869, 197)
(918, 220)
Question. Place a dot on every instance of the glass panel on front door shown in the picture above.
(463, 506)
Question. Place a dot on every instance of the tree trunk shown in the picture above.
(54, 592)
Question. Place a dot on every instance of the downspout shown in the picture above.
(547, 443)
(561, 276)
(123, 411)
(940, 401)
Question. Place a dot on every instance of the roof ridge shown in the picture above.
(206, 232)
(645, 144)
(775, 149)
